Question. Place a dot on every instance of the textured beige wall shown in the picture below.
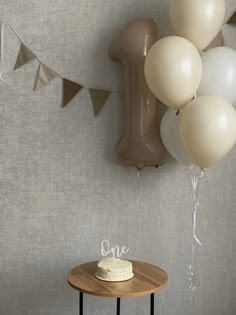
(62, 189)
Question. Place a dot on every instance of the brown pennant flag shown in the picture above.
(232, 18)
(44, 76)
(25, 55)
(99, 98)
(70, 89)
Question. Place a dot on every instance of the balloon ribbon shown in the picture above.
(195, 174)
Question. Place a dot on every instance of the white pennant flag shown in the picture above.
(45, 75)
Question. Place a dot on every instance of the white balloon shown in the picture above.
(219, 74)
(197, 20)
(170, 136)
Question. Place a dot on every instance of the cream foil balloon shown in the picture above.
(219, 74)
(207, 128)
(170, 136)
(173, 70)
(197, 20)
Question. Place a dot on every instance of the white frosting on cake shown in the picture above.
(114, 269)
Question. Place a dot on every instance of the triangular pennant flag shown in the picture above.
(232, 18)
(99, 98)
(44, 76)
(218, 41)
(70, 89)
(25, 55)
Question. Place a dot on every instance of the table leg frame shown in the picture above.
(118, 306)
(81, 304)
(152, 304)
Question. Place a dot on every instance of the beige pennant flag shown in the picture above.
(25, 55)
(218, 41)
(70, 89)
(44, 76)
(99, 98)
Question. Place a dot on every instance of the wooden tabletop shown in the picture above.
(147, 279)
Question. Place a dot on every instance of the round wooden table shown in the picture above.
(147, 279)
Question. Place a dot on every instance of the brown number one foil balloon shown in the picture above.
(141, 143)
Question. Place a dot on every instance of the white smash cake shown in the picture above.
(114, 269)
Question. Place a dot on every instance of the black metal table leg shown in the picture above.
(118, 306)
(152, 304)
(81, 309)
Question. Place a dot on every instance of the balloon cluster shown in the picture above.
(198, 87)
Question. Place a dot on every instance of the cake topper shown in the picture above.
(115, 251)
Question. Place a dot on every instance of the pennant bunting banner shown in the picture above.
(44, 76)
(25, 55)
(99, 98)
(70, 89)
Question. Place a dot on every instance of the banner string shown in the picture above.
(59, 75)
(227, 20)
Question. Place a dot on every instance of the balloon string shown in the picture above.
(1, 50)
(195, 176)
(138, 188)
